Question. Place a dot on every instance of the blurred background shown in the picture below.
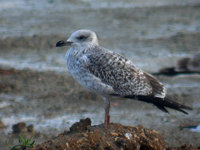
(36, 88)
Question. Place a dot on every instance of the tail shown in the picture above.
(162, 103)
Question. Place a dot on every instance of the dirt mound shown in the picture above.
(84, 136)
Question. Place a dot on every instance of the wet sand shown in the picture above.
(36, 88)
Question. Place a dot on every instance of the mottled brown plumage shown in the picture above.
(120, 73)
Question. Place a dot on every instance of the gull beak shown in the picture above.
(63, 43)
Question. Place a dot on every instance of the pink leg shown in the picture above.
(107, 110)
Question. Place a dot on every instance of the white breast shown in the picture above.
(77, 66)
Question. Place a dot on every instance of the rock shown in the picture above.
(30, 128)
(22, 128)
(116, 137)
(2, 125)
(19, 127)
(84, 124)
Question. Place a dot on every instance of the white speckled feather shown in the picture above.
(106, 72)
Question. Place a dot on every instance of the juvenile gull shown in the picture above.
(185, 65)
(109, 74)
(189, 64)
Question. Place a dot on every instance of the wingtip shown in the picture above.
(183, 111)
(178, 106)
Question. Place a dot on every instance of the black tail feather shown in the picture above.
(167, 102)
(162, 103)
(162, 108)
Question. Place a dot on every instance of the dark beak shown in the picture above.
(63, 43)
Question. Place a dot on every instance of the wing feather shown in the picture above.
(120, 73)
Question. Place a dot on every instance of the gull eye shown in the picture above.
(82, 37)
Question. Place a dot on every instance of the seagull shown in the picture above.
(189, 64)
(185, 65)
(109, 74)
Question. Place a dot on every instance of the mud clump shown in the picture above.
(2, 125)
(21, 127)
(84, 136)
(83, 125)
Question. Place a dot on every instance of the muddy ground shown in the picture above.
(50, 102)
(35, 87)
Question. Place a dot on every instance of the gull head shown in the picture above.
(80, 38)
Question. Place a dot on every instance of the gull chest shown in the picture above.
(76, 68)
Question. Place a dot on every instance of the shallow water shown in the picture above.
(196, 129)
